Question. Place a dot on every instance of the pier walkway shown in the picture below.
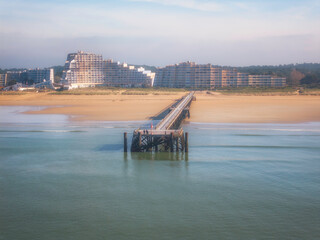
(167, 135)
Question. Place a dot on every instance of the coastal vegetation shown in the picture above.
(305, 74)
(266, 91)
(246, 91)
(119, 91)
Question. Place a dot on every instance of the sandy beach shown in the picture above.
(94, 107)
(255, 109)
(206, 108)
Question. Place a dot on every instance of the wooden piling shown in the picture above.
(125, 142)
(186, 141)
(139, 140)
(177, 144)
(156, 148)
(171, 142)
(182, 142)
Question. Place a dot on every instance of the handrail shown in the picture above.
(172, 116)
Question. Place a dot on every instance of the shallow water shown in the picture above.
(66, 180)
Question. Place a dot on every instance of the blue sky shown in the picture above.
(36, 33)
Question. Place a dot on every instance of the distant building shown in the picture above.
(260, 80)
(31, 76)
(3, 80)
(207, 76)
(278, 81)
(35, 76)
(229, 78)
(83, 69)
(242, 79)
(87, 69)
(122, 75)
(16, 76)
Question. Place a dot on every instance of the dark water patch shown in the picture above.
(110, 147)
(159, 156)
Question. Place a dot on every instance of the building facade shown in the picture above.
(16, 76)
(122, 75)
(31, 76)
(38, 75)
(3, 80)
(83, 68)
(87, 69)
(242, 79)
(207, 76)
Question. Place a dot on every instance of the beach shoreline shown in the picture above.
(207, 108)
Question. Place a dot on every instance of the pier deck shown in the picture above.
(167, 135)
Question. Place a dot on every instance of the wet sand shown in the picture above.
(207, 108)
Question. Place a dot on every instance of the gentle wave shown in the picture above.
(253, 146)
(262, 129)
(278, 135)
(55, 131)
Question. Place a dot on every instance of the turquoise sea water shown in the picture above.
(67, 180)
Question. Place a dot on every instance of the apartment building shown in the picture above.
(87, 69)
(38, 75)
(207, 76)
(83, 69)
(31, 76)
(16, 76)
(229, 77)
(260, 80)
(278, 81)
(242, 79)
(165, 77)
(121, 75)
(3, 80)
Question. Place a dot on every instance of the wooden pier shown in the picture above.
(167, 136)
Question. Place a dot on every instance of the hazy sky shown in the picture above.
(40, 33)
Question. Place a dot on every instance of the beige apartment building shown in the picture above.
(87, 69)
(123, 75)
(83, 69)
(207, 76)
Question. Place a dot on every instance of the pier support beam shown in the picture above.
(186, 141)
(177, 144)
(171, 142)
(139, 140)
(156, 148)
(182, 142)
(125, 142)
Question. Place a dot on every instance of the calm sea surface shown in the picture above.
(65, 180)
